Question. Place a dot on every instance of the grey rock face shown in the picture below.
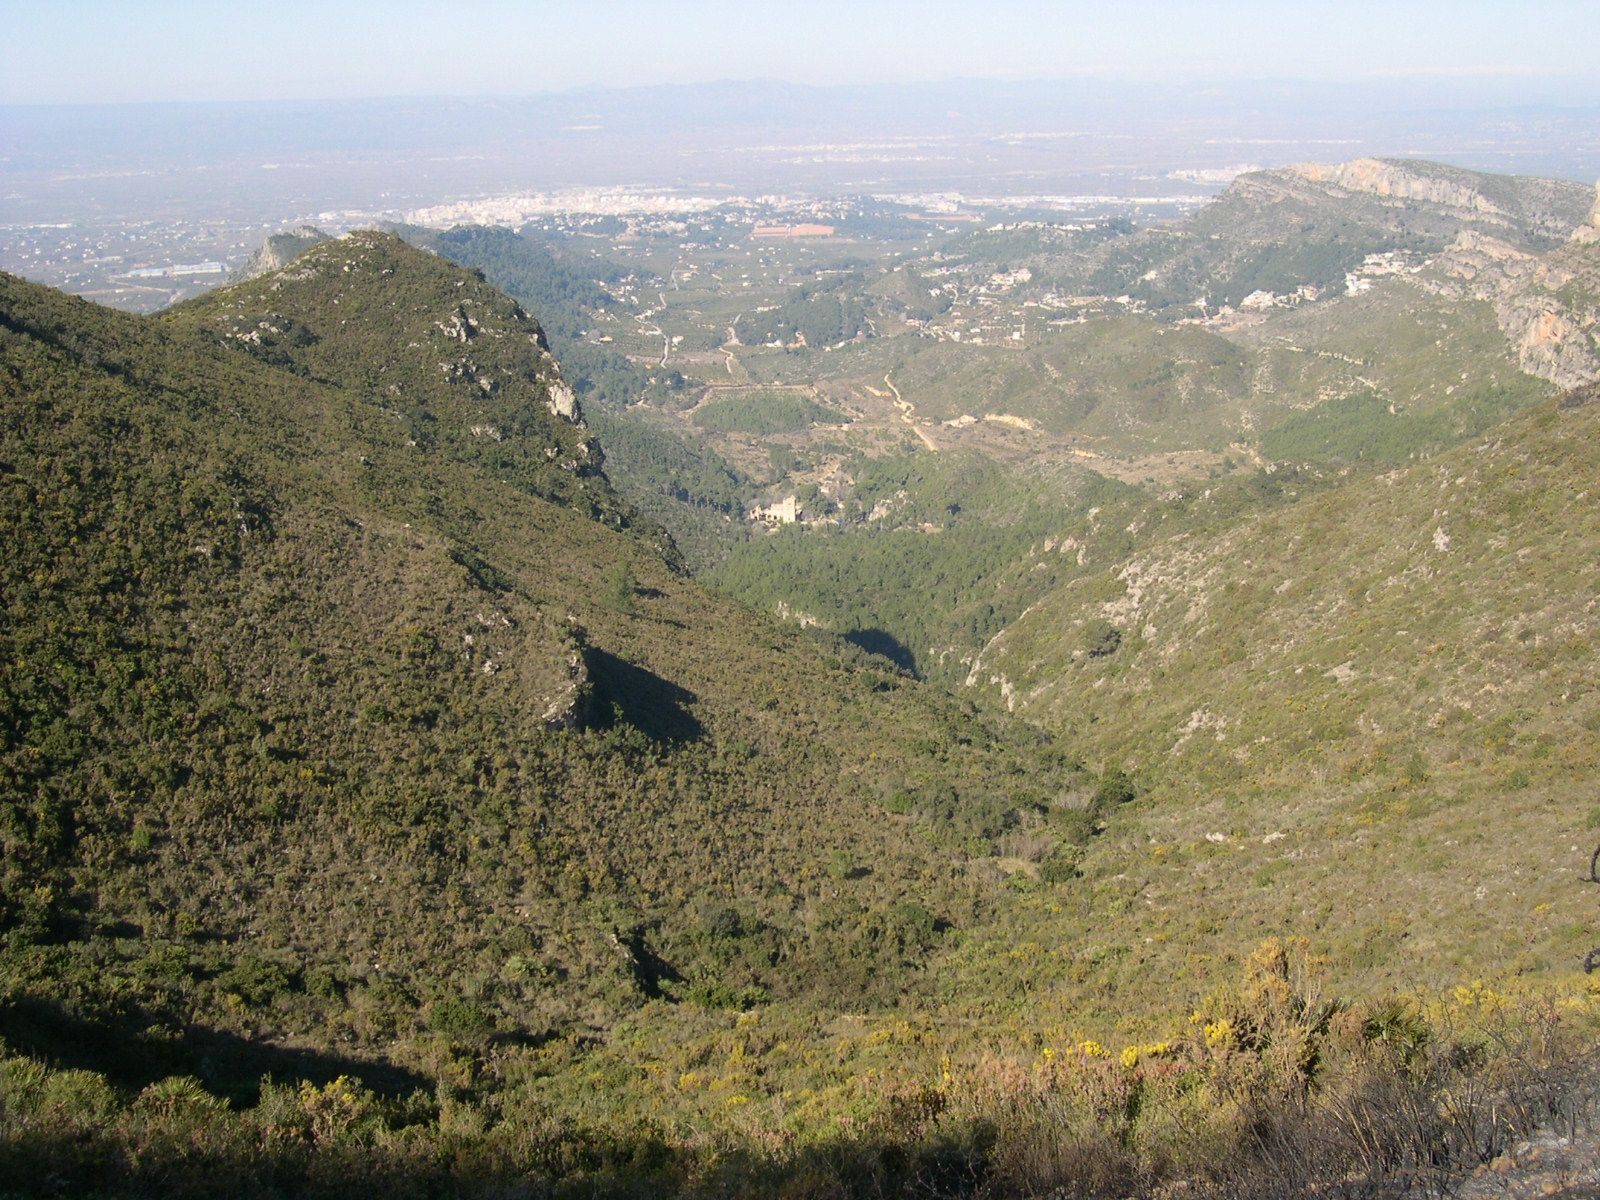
(279, 250)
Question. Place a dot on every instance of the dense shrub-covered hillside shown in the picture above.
(337, 704)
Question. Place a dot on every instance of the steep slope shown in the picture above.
(474, 382)
(1368, 716)
(1411, 655)
(1385, 376)
(330, 719)
(679, 482)
(1547, 305)
(1424, 608)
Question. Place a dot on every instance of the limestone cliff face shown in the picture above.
(1537, 298)
(278, 251)
(1379, 178)
(1554, 346)
(1521, 209)
(1589, 232)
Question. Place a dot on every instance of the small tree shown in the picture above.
(621, 587)
(1115, 788)
(1063, 864)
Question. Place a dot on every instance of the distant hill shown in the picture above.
(1308, 225)
(1417, 353)
(1367, 311)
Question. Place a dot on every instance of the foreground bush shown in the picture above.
(1271, 1090)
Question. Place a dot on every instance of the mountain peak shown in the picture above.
(447, 361)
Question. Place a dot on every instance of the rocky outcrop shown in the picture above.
(1588, 233)
(1380, 178)
(1551, 348)
(1581, 397)
(569, 707)
(563, 401)
(278, 251)
(1533, 298)
(1314, 222)
(1517, 208)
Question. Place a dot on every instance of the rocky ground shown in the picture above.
(1544, 1166)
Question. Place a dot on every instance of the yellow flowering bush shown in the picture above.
(333, 1109)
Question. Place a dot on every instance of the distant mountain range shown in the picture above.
(1503, 121)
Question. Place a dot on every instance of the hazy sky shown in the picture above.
(55, 51)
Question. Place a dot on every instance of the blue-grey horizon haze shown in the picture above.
(101, 51)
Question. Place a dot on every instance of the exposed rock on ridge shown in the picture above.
(1514, 206)
(1545, 304)
(1589, 231)
(278, 251)
(1380, 178)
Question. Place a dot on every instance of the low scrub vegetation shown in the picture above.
(1271, 1089)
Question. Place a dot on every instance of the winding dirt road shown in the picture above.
(908, 413)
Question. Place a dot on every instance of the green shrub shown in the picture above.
(763, 414)
(1116, 788)
(83, 1097)
(1415, 770)
(1063, 864)
(900, 802)
(256, 981)
(1075, 825)
(715, 994)
(460, 1020)
(621, 588)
